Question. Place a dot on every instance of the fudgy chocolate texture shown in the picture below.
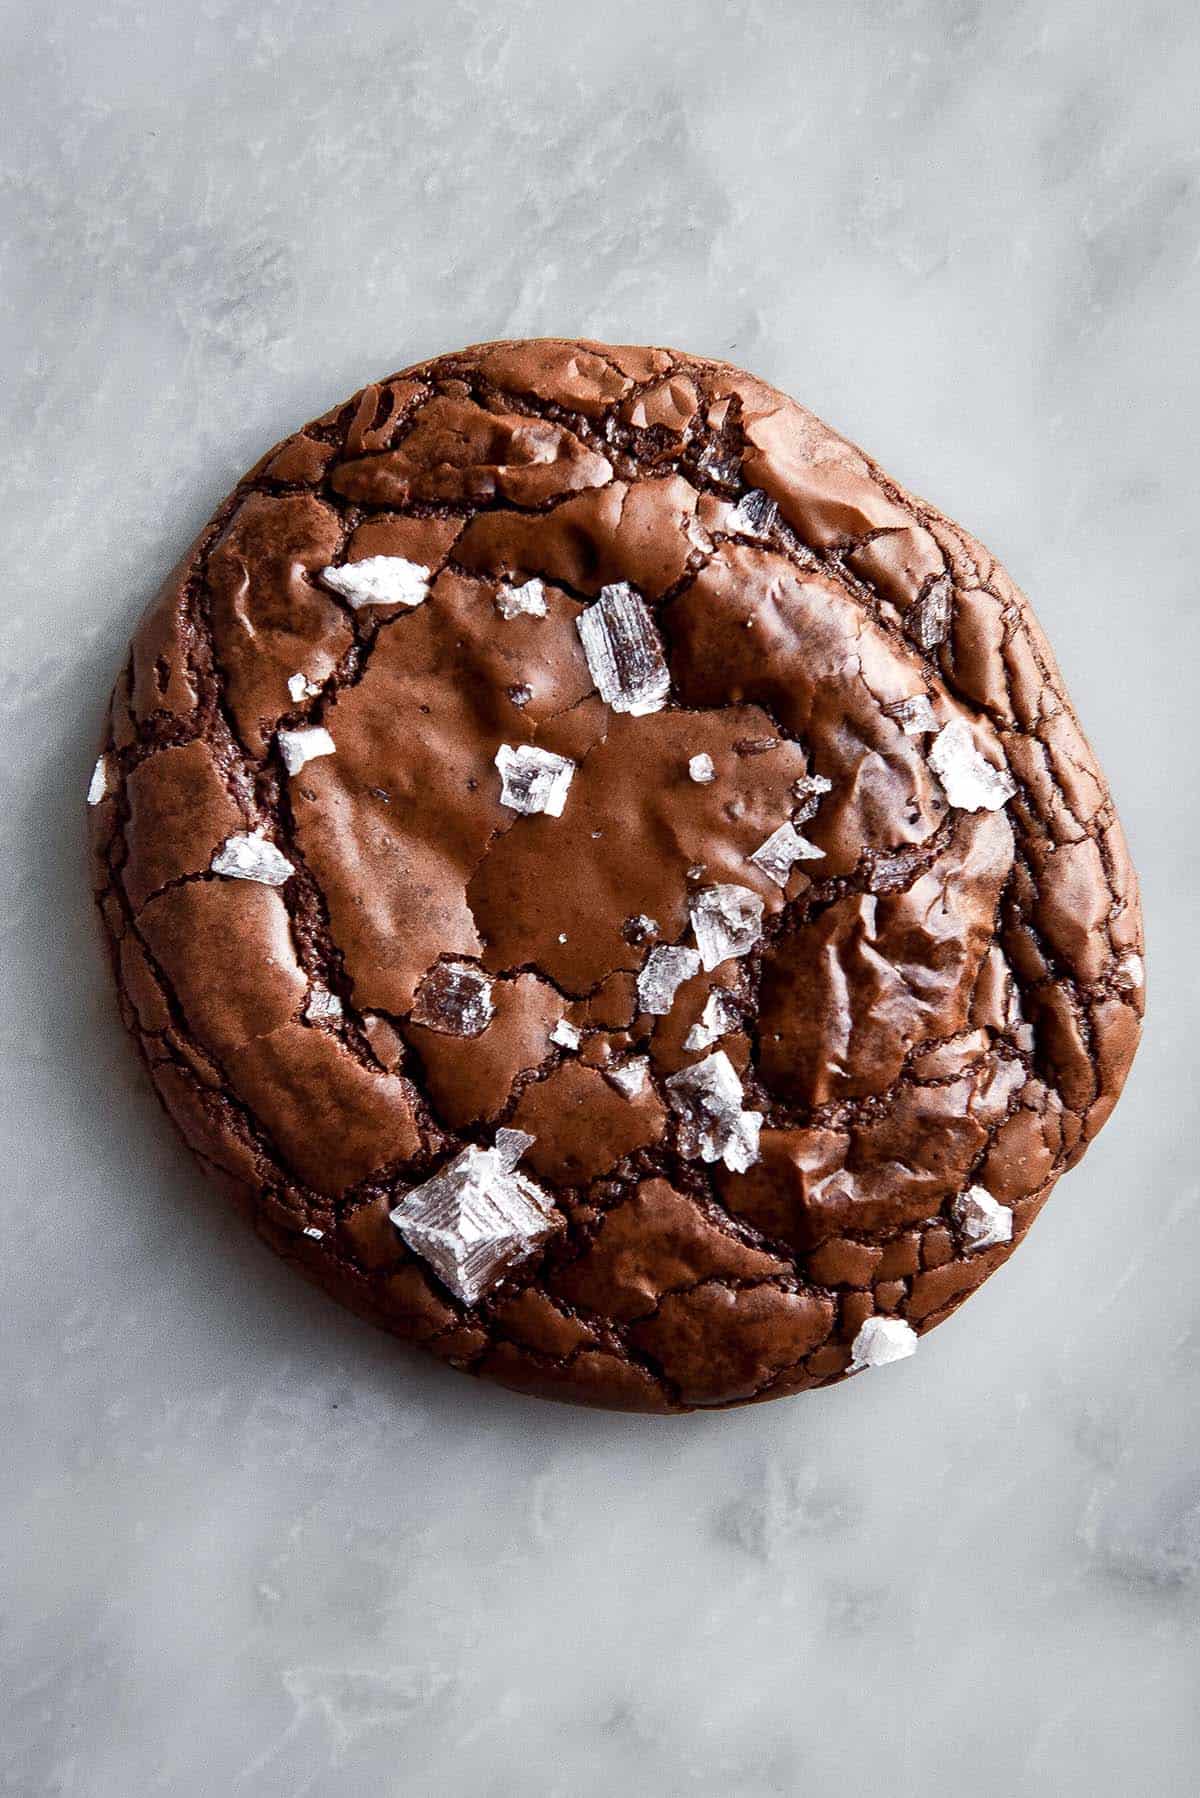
(945, 999)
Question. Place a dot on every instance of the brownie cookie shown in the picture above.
(611, 884)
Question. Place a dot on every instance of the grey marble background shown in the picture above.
(253, 1550)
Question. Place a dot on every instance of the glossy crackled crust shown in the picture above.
(946, 999)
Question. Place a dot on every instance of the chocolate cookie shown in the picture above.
(612, 884)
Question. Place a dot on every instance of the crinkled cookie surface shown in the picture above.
(612, 885)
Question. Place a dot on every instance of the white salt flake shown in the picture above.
(379, 581)
(527, 601)
(713, 1124)
(312, 1231)
(625, 651)
(533, 780)
(881, 1340)
(300, 687)
(98, 785)
(781, 851)
(300, 746)
(915, 716)
(477, 1218)
(566, 1035)
(755, 514)
(982, 1221)
(727, 921)
(927, 620)
(719, 1017)
(322, 1004)
(809, 791)
(1129, 974)
(454, 998)
(629, 1077)
(252, 857)
(701, 769)
(968, 778)
(666, 969)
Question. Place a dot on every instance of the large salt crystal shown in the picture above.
(727, 921)
(379, 581)
(98, 785)
(528, 600)
(968, 778)
(666, 969)
(781, 851)
(713, 1123)
(881, 1340)
(300, 746)
(755, 514)
(322, 1005)
(251, 857)
(927, 620)
(915, 716)
(629, 1077)
(625, 652)
(301, 688)
(1129, 974)
(809, 791)
(533, 780)
(720, 1015)
(565, 1035)
(701, 769)
(982, 1221)
(477, 1218)
(454, 998)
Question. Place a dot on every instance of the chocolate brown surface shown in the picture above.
(945, 998)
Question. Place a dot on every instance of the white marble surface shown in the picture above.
(252, 1548)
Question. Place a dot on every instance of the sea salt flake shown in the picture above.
(322, 1004)
(720, 1015)
(477, 1218)
(528, 600)
(969, 780)
(982, 1221)
(781, 851)
(520, 695)
(312, 1231)
(927, 620)
(629, 1077)
(915, 716)
(533, 780)
(808, 792)
(566, 1035)
(252, 857)
(755, 514)
(379, 581)
(300, 687)
(881, 1340)
(713, 1123)
(666, 969)
(1129, 973)
(98, 785)
(455, 999)
(701, 769)
(719, 461)
(727, 921)
(300, 746)
(625, 651)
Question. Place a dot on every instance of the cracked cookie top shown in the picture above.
(612, 885)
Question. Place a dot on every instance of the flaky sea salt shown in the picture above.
(313, 1233)
(881, 1340)
(624, 651)
(455, 998)
(720, 1015)
(300, 746)
(982, 1221)
(701, 769)
(1129, 973)
(379, 581)
(252, 857)
(927, 620)
(968, 778)
(533, 780)
(528, 600)
(565, 1035)
(713, 1124)
(98, 785)
(629, 1077)
(300, 687)
(477, 1218)
(781, 851)
(322, 1004)
(808, 792)
(666, 969)
(727, 921)
(755, 514)
(915, 716)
